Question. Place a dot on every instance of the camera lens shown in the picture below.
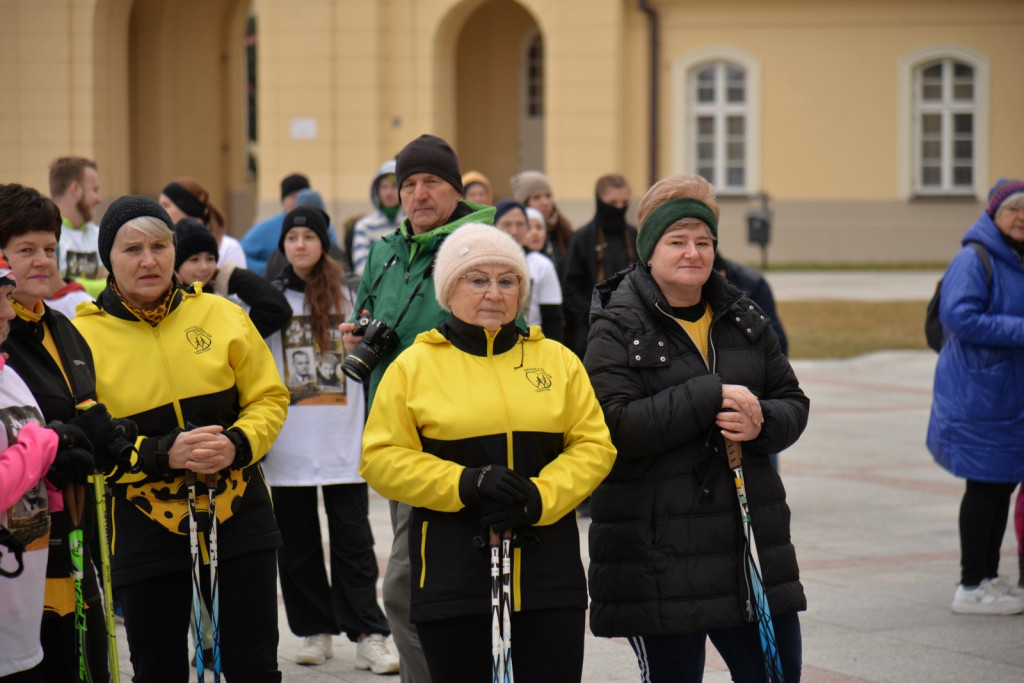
(359, 364)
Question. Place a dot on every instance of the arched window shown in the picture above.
(944, 130)
(717, 119)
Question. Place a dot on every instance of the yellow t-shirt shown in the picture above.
(698, 330)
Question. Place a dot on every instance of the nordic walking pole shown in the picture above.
(506, 605)
(759, 610)
(211, 487)
(74, 506)
(108, 593)
(497, 665)
(100, 492)
(197, 596)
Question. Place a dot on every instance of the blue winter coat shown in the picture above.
(976, 430)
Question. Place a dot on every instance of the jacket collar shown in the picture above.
(473, 339)
(109, 302)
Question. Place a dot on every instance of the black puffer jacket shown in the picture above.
(665, 537)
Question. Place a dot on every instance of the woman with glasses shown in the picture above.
(481, 426)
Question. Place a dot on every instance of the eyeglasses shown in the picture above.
(480, 284)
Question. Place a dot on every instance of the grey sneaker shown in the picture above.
(315, 650)
(1001, 585)
(374, 653)
(986, 599)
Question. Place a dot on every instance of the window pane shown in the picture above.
(961, 70)
(931, 123)
(963, 150)
(735, 74)
(963, 91)
(735, 177)
(706, 172)
(705, 151)
(932, 93)
(934, 71)
(963, 123)
(735, 151)
(706, 75)
(736, 95)
(734, 125)
(963, 175)
(705, 94)
(705, 125)
(931, 176)
(931, 149)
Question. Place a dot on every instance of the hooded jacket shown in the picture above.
(203, 364)
(461, 397)
(406, 261)
(976, 429)
(372, 228)
(665, 537)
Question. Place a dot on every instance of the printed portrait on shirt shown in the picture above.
(313, 376)
(29, 518)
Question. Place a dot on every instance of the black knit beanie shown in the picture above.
(120, 212)
(293, 183)
(307, 217)
(191, 237)
(185, 200)
(429, 154)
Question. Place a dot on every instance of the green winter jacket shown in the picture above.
(414, 253)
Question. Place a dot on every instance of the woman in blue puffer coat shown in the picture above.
(976, 430)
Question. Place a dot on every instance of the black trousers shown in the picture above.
(156, 619)
(348, 602)
(547, 645)
(983, 513)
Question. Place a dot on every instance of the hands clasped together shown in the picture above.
(740, 418)
(505, 498)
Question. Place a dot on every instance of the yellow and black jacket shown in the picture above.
(457, 398)
(203, 364)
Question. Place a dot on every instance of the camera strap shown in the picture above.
(415, 292)
(376, 283)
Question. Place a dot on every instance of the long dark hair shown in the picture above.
(325, 295)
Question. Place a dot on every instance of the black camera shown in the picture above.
(378, 341)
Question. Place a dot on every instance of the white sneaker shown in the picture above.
(374, 653)
(316, 650)
(986, 599)
(1004, 587)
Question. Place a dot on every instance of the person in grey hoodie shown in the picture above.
(384, 221)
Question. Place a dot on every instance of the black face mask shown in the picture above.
(611, 217)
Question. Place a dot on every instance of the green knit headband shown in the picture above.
(662, 218)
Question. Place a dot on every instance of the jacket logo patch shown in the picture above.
(539, 378)
(199, 338)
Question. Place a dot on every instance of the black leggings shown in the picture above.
(983, 514)
(156, 619)
(547, 645)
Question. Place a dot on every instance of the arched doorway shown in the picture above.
(187, 100)
(499, 93)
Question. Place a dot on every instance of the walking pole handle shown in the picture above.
(734, 453)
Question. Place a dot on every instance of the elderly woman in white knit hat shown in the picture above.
(481, 425)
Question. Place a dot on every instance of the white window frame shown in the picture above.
(909, 128)
(684, 110)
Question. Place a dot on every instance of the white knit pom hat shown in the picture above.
(474, 245)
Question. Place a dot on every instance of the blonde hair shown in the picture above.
(677, 187)
(150, 226)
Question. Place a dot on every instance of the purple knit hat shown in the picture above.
(999, 193)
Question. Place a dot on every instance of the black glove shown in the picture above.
(96, 423)
(74, 461)
(494, 482)
(153, 454)
(118, 452)
(501, 517)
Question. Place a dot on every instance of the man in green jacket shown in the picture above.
(398, 289)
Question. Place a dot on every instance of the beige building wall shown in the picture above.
(153, 89)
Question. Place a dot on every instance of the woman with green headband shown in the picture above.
(681, 361)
